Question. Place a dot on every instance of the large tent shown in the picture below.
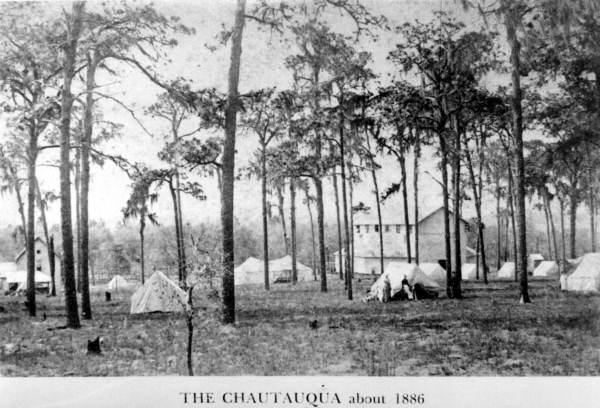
(281, 270)
(507, 271)
(468, 271)
(251, 271)
(586, 277)
(434, 271)
(19, 279)
(546, 269)
(117, 283)
(395, 272)
(158, 294)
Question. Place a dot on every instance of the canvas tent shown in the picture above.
(586, 277)
(18, 280)
(434, 271)
(507, 271)
(281, 270)
(395, 273)
(546, 269)
(251, 271)
(158, 294)
(5, 269)
(533, 260)
(469, 271)
(117, 283)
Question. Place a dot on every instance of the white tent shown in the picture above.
(280, 270)
(546, 269)
(533, 260)
(434, 271)
(158, 294)
(468, 271)
(19, 278)
(507, 271)
(251, 271)
(586, 277)
(117, 283)
(395, 273)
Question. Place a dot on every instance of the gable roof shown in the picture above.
(370, 218)
(24, 251)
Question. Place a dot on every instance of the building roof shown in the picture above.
(395, 218)
(56, 254)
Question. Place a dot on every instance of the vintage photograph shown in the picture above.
(299, 188)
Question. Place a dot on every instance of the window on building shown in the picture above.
(38, 251)
(366, 228)
(38, 268)
(358, 229)
(397, 228)
(376, 228)
(387, 228)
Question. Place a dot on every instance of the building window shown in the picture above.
(387, 228)
(358, 229)
(38, 251)
(397, 228)
(367, 229)
(376, 228)
(39, 268)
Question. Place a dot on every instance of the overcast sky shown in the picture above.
(262, 66)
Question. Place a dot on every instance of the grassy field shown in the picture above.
(487, 333)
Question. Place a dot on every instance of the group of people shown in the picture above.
(406, 292)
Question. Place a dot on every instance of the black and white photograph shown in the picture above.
(278, 188)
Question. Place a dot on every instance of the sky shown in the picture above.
(262, 66)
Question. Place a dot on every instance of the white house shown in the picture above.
(431, 241)
(42, 265)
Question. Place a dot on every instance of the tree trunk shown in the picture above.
(456, 281)
(74, 23)
(280, 207)
(592, 216)
(52, 266)
(142, 263)
(477, 201)
(177, 235)
(21, 204)
(351, 196)
(405, 206)
(562, 228)
(293, 229)
(31, 190)
(42, 209)
(511, 200)
(339, 224)
(231, 108)
(573, 203)
(77, 185)
(512, 18)
(417, 154)
(321, 232)
(448, 249)
(347, 255)
(181, 231)
(548, 238)
(552, 227)
(312, 234)
(263, 161)
(86, 309)
(498, 225)
(377, 200)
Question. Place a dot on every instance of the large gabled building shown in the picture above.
(395, 248)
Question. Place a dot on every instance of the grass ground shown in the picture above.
(487, 333)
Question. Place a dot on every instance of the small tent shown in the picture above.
(434, 271)
(251, 271)
(117, 283)
(533, 260)
(158, 294)
(507, 271)
(586, 277)
(395, 273)
(469, 271)
(546, 269)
